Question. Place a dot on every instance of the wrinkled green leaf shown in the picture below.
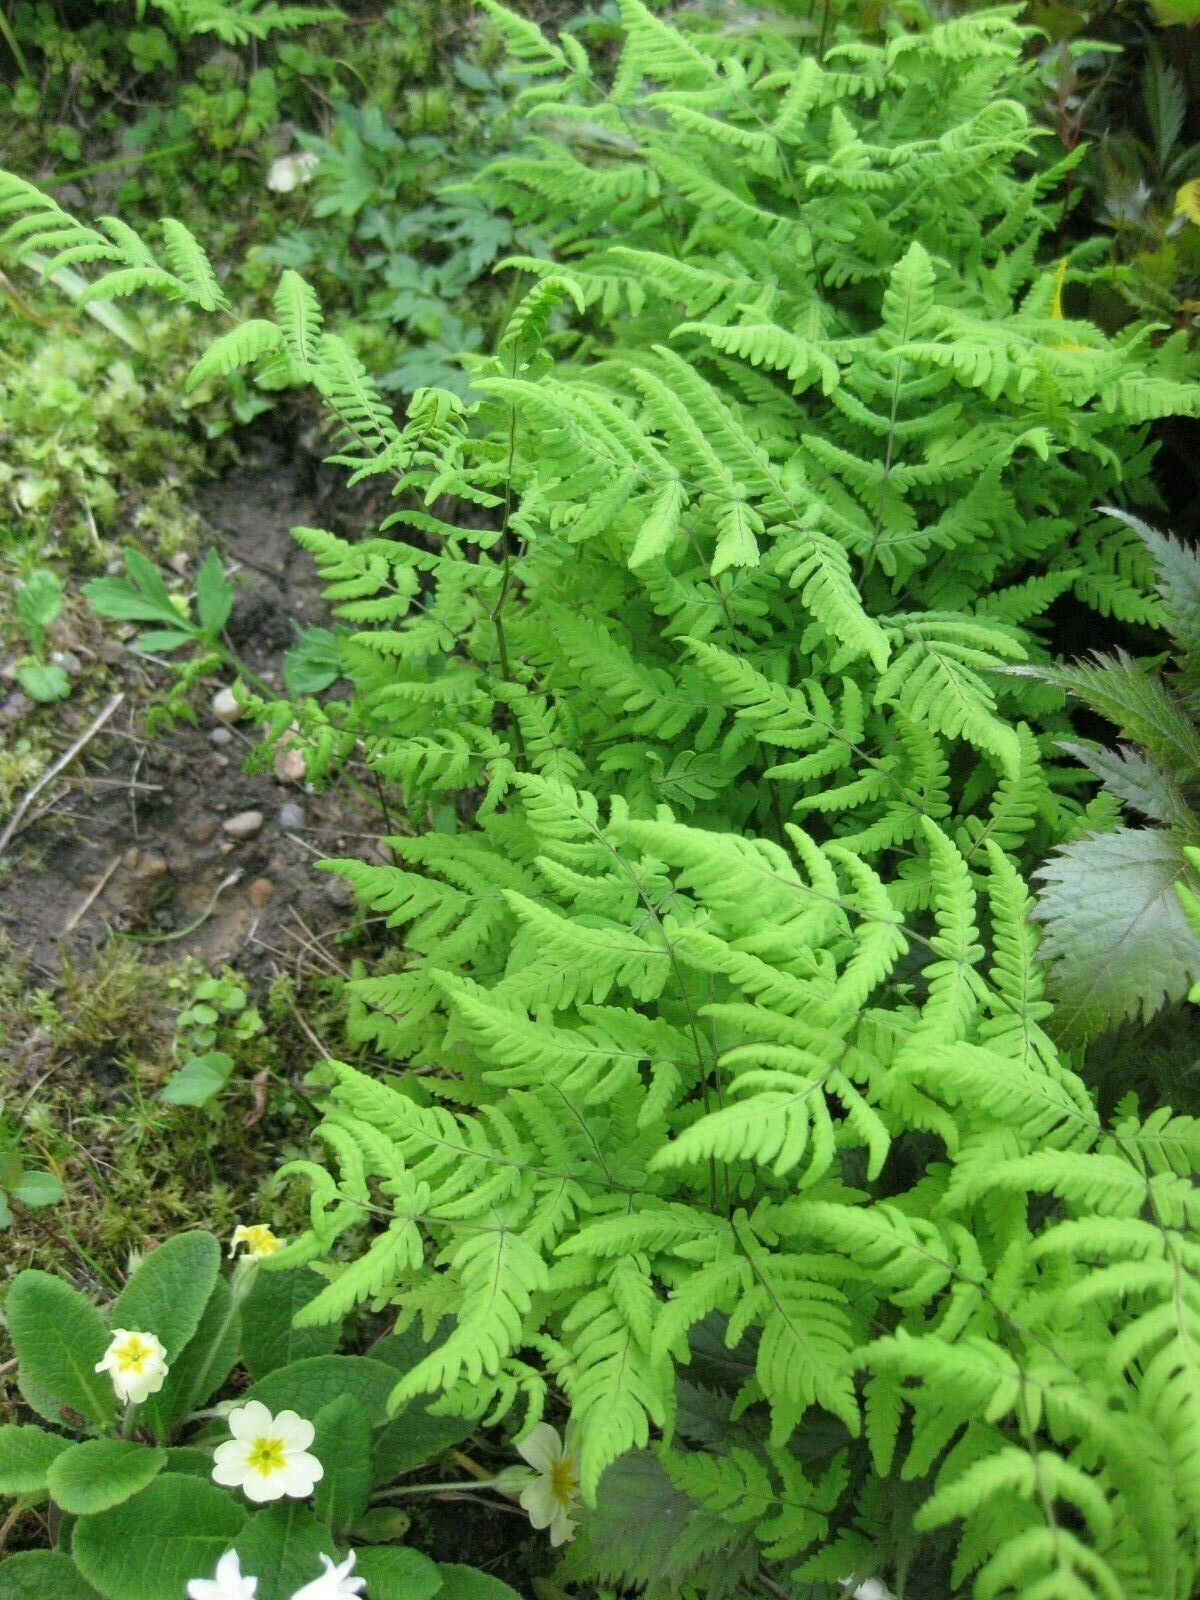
(100, 1473)
(58, 1337)
(148, 1547)
(25, 1457)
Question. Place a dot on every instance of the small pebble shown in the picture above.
(259, 891)
(221, 735)
(290, 767)
(68, 661)
(179, 562)
(225, 706)
(111, 651)
(152, 866)
(15, 704)
(339, 891)
(131, 857)
(201, 831)
(291, 816)
(244, 825)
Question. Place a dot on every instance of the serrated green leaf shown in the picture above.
(43, 681)
(25, 1457)
(282, 1546)
(214, 595)
(58, 1338)
(468, 1583)
(100, 1473)
(151, 1545)
(395, 1573)
(307, 1386)
(43, 1575)
(201, 1366)
(269, 1341)
(343, 1447)
(168, 1292)
(113, 597)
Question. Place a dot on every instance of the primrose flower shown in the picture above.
(267, 1457)
(258, 1239)
(136, 1363)
(227, 1583)
(335, 1583)
(288, 171)
(552, 1492)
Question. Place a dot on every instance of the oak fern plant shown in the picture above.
(725, 1105)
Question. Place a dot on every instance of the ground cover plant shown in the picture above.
(718, 1101)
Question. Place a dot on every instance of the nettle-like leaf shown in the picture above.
(1115, 931)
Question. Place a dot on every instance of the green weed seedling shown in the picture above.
(218, 1010)
(32, 1190)
(39, 602)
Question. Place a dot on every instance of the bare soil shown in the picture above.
(133, 839)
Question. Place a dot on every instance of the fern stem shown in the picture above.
(506, 578)
(14, 45)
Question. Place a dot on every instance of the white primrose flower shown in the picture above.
(288, 171)
(335, 1583)
(136, 1363)
(258, 1239)
(267, 1456)
(870, 1589)
(227, 1583)
(552, 1493)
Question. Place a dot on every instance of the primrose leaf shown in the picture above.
(25, 1457)
(167, 1294)
(148, 1548)
(100, 1473)
(43, 1575)
(395, 1573)
(58, 1337)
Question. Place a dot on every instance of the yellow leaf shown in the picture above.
(1056, 301)
(1187, 200)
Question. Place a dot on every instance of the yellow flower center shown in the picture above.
(259, 1240)
(266, 1457)
(563, 1482)
(133, 1355)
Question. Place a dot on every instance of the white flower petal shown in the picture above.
(539, 1504)
(261, 1489)
(250, 1421)
(299, 1475)
(293, 1431)
(227, 1583)
(231, 1463)
(541, 1447)
(561, 1528)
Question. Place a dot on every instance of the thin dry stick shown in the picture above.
(94, 894)
(304, 1027)
(52, 772)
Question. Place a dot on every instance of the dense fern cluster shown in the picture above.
(728, 1104)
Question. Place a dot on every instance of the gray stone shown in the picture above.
(244, 825)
